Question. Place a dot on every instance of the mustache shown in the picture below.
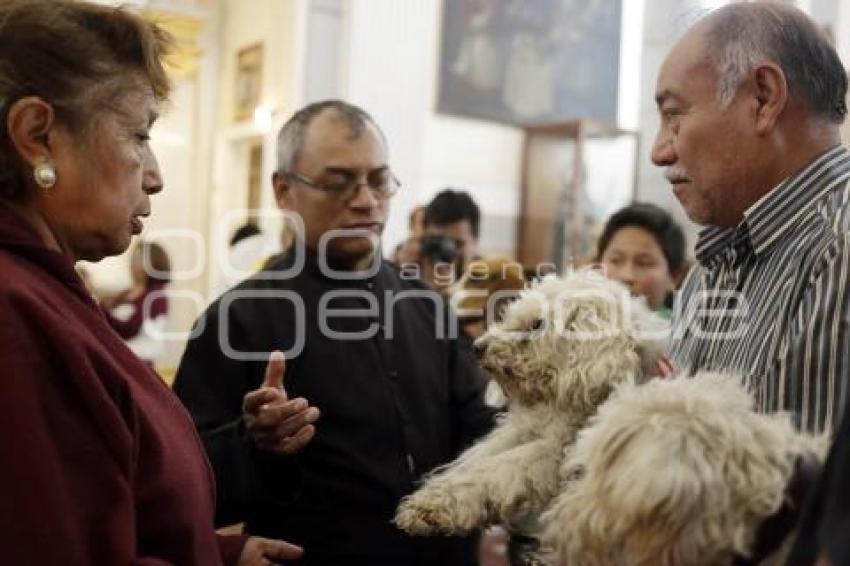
(676, 174)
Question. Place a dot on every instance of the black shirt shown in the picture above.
(397, 400)
(825, 529)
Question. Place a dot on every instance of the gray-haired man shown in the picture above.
(751, 100)
(371, 351)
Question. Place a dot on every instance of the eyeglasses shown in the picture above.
(382, 183)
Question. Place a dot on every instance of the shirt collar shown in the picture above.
(19, 238)
(331, 271)
(711, 241)
(781, 209)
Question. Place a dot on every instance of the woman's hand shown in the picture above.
(265, 552)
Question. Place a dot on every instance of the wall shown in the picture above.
(392, 68)
(276, 25)
(202, 150)
(279, 25)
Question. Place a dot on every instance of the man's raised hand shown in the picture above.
(273, 421)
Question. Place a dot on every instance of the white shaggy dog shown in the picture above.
(557, 354)
(678, 472)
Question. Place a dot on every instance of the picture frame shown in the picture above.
(520, 61)
(248, 81)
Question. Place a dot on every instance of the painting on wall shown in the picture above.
(249, 81)
(516, 62)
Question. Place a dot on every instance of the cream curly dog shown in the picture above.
(557, 354)
(679, 472)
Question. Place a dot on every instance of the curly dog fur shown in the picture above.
(557, 354)
(675, 472)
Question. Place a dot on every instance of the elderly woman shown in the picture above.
(100, 464)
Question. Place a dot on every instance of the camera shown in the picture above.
(438, 248)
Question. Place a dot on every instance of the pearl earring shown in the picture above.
(45, 174)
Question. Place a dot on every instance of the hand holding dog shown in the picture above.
(273, 421)
(664, 368)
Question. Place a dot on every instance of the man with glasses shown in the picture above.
(392, 394)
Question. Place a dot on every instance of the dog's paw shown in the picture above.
(430, 513)
(417, 519)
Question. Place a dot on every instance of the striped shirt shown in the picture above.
(770, 298)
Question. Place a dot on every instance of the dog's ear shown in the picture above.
(586, 314)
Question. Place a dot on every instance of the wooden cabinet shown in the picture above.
(574, 175)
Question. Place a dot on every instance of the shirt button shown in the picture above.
(392, 374)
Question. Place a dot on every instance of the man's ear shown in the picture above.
(30, 123)
(771, 92)
(281, 189)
